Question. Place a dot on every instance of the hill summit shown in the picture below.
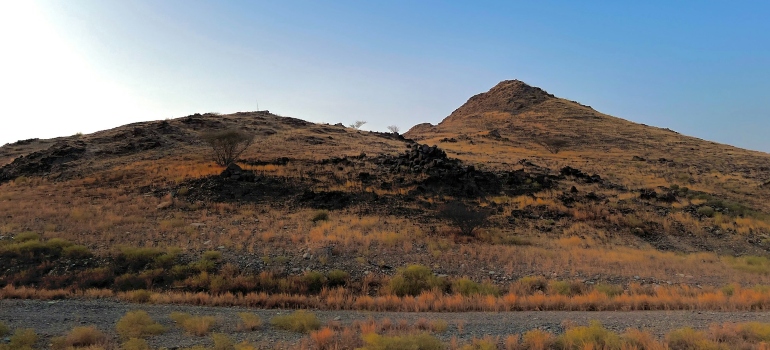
(510, 96)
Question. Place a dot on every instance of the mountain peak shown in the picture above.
(511, 96)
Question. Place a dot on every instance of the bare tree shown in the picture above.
(463, 217)
(550, 143)
(358, 124)
(394, 129)
(227, 145)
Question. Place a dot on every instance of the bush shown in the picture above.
(196, 325)
(463, 217)
(129, 282)
(321, 215)
(314, 281)
(336, 278)
(227, 145)
(706, 211)
(413, 280)
(537, 340)
(221, 342)
(76, 252)
(299, 321)
(23, 339)
(594, 337)
(135, 259)
(212, 255)
(138, 324)
(688, 338)
(135, 344)
(244, 345)
(610, 290)
(565, 288)
(421, 341)
(80, 337)
(4, 329)
(531, 284)
(26, 236)
(467, 287)
(249, 321)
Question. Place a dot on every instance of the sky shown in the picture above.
(701, 68)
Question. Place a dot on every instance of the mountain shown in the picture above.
(514, 121)
(516, 182)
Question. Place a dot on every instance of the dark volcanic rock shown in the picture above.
(43, 162)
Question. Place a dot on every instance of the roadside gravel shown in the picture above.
(54, 318)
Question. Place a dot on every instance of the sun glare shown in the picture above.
(43, 76)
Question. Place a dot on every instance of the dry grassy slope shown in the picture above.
(524, 116)
(178, 140)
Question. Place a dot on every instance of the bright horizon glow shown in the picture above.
(699, 68)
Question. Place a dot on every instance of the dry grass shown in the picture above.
(138, 324)
(249, 321)
(195, 325)
(299, 321)
(81, 337)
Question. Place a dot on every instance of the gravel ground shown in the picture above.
(55, 318)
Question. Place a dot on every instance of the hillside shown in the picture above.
(575, 205)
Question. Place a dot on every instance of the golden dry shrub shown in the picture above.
(135, 344)
(299, 321)
(249, 321)
(138, 324)
(80, 337)
(537, 339)
(23, 339)
(195, 325)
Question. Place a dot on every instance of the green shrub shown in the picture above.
(314, 281)
(138, 324)
(321, 215)
(26, 236)
(129, 282)
(468, 287)
(135, 344)
(76, 252)
(610, 290)
(58, 244)
(688, 338)
(4, 329)
(167, 259)
(592, 337)
(559, 287)
(754, 332)
(537, 339)
(299, 321)
(751, 263)
(532, 284)
(337, 278)
(134, 258)
(221, 342)
(706, 211)
(204, 265)
(421, 341)
(212, 255)
(413, 280)
(23, 339)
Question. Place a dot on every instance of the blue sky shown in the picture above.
(699, 67)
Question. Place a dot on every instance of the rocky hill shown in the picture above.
(557, 190)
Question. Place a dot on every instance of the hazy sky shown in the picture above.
(699, 67)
